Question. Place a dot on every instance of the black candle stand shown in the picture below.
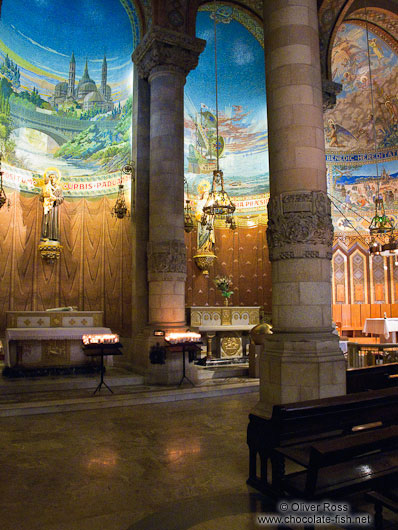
(101, 350)
(184, 347)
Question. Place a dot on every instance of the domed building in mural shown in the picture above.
(203, 222)
(86, 94)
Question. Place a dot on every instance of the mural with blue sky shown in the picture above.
(243, 145)
(60, 69)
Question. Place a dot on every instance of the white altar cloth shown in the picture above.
(37, 334)
(382, 326)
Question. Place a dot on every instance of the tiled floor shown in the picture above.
(167, 466)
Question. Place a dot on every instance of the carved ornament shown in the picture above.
(167, 48)
(300, 226)
(166, 260)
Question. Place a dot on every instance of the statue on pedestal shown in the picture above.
(51, 196)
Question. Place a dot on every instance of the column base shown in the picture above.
(169, 373)
(299, 367)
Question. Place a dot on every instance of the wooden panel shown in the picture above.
(71, 227)
(365, 313)
(379, 292)
(346, 316)
(359, 292)
(356, 316)
(394, 310)
(375, 311)
(385, 310)
(336, 313)
(6, 258)
(340, 293)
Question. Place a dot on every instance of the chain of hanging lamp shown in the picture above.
(218, 204)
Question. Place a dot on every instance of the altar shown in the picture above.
(49, 339)
(225, 330)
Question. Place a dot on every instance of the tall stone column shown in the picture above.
(302, 359)
(165, 57)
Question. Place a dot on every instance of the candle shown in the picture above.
(100, 339)
(178, 337)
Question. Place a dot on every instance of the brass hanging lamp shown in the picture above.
(120, 209)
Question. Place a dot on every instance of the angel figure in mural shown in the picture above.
(333, 132)
(51, 196)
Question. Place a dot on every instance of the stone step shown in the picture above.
(124, 400)
(224, 371)
(112, 377)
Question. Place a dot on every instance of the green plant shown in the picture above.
(224, 284)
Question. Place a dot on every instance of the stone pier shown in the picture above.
(302, 359)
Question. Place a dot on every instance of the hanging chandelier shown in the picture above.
(188, 213)
(120, 209)
(3, 196)
(218, 204)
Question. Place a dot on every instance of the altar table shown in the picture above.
(228, 324)
(383, 327)
(49, 339)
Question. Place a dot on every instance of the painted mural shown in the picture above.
(361, 138)
(66, 92)
(242, 143)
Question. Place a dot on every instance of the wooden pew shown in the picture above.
(342, 465)
(310, 421)
(371, 377)
(385, 496)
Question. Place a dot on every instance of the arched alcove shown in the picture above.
(66, 103)
(244, 155)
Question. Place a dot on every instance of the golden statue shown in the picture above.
(51, 196)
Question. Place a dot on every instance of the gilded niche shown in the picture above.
(300, 226)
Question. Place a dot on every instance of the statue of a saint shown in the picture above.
(51, 196)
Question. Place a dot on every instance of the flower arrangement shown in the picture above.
(224, 284)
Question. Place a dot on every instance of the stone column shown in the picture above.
(301, 360)
(165, 57)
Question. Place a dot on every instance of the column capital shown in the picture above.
(300, 226)
(162, 47)
(167, 260)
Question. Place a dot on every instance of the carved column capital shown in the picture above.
(330, 89)
(167, 261)
(162, 48)
(300, 226)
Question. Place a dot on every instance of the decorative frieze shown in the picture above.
(166, 258)
(162, 48)
(300, 226)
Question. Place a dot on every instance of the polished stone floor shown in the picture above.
(166, 466)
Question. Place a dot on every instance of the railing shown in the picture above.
(362, 355)
(50, 120)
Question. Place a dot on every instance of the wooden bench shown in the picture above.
(386, 496)
(372, 377)
(343, 465)
(310, 421)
